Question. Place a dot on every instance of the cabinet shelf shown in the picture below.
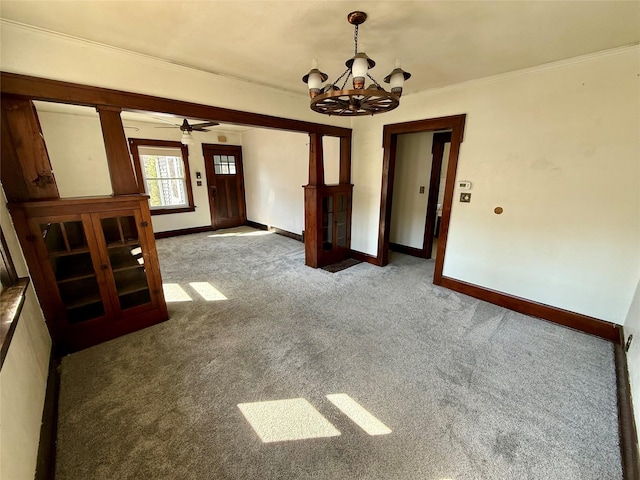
(76, 278)
(127, 267)
(132, 289)
(128, 243)
(83, 302)
(66, 253)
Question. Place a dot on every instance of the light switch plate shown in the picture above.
(465, 197)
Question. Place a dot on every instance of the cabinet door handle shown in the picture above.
(103, 267)
(143, 224)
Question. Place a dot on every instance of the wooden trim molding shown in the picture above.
(121, 174)
(11, 302)
(64, 92)
(364, 257)
(135, 144)
(183, 231)
(599, 328)
(284, 233)
(414, 252)
(627, 425)
(455, 123)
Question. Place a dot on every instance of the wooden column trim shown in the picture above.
(26, 169)
(345, 160)
(123, 178)
(316, 159)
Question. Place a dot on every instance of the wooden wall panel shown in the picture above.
(24, 153)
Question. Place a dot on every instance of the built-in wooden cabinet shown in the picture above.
(331, 243)
(94, 266)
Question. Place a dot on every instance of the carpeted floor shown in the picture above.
(469, 390)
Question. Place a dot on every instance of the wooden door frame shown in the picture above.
(439, 139)
(455, 123)
(209, 174)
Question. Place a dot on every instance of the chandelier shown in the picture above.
(333, 100)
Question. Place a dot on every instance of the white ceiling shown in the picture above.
(272, 42)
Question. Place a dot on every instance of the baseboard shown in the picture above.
(279, 231)
(46, 460)
(364, 257)
(627, 425)
(600, 328)
(184, 231)
(414, 252)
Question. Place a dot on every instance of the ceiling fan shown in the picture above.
(186, 128)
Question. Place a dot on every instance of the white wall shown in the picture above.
(77, 154)
(557, 147)
(409, 207)
(276, 166)
(632, 327)
(23, 378)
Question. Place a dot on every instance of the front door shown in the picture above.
(225, 182)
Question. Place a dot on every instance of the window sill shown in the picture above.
(165, 211)
(11, 302)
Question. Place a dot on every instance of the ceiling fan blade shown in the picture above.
(166, 121)
(204, 124)
(200, 129)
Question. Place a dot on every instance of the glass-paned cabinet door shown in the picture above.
(342, 205)
(327, 222)
(126, 259)
(70, 259)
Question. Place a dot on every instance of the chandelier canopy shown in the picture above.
(332, 99)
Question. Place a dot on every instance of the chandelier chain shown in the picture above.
(373, 80)
(346, 79)
(355, 39)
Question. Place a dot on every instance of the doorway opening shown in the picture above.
(418, 192)
(451, 130)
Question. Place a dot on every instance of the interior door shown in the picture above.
(225, 182)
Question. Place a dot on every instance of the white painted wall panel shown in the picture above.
(276, 167)
(558, 149)
(23, 378)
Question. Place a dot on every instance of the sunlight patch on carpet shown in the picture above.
(283, 420)
(207, 291)
(358, 414)
(175, 293)
(240, 232)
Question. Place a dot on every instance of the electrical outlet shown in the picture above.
(465, 197)
(199, 183)
(421, 190)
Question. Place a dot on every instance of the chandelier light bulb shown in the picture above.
(359, 71)
(396, 78)
(314, 79)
